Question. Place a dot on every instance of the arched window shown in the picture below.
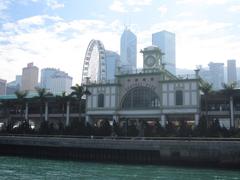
(101, 100)
(179, 97)
(140, 98)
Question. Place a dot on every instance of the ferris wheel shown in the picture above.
(94, 65)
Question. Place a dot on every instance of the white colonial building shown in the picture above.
(150, 94)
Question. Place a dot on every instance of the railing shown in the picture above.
(138, 71)
(126, 138)
(187, 76)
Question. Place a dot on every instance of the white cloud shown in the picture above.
(54, 4)
(163, 10)
(203, 2)
(129, 5)
(117, 6)
(139, 2)
(61, 44)
(185, 14)
(234, 8)
(3, 7)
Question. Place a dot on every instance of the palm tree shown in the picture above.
(206, 88)
(64, 99)
(42, 96)
(78, 93)
(228, 90)
(7, 105)
(21, 101)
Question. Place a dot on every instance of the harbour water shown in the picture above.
(18, 168)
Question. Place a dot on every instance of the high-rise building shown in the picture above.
(15, 85)
(128, 51)
(46, 74)
(216, 72)
(55, 80)
(112, 63)
(166, 42)
(60, 82)
(3, 87)
(29, 77)
(231, 71)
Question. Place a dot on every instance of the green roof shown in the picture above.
(13, 96)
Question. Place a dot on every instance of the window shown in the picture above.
(101, 100)
(140, 98)
(179, 97)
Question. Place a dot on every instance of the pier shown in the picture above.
(190, 151)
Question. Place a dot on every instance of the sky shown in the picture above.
(56, 33)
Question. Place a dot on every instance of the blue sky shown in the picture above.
(55, 33)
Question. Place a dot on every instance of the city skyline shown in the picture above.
(54, 33)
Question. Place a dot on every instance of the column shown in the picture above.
(26, 111)
(46, 111)
(196, 119)
(88, 120)
(163, 120)
(67, 113)
(116, 118)
(231, 113)
(140, 127)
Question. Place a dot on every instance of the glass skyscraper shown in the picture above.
(216, 71)
(231, 71)
(166, 42)
(55, 80)
(128, 51)
(112, 63)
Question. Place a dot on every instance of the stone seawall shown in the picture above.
(178, 151)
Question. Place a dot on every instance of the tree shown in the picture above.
(63, 99)
(206, 88)
(228, 90)
(6, 106)
(21, 101)
(78, 93)
(42, 96)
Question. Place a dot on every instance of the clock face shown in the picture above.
(150, 61)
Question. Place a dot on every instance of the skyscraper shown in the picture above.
(231, 71)
(60, 82)
(29, 77)
(128, 51)
(166, 42)
(55, 80)
(216, 72)
(15, 85)
(46, 74)
(112, 62)
(3, 87)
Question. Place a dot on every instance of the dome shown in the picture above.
(151, 48)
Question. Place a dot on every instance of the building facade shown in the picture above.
(3, 87)
(128, 50)
(231, 71)
(46, 74)
(60, 82)
(29, 77)
(112, 60)
(166, 42)
(143, 95)
(15, 85)
(216, 72)
(55, 80)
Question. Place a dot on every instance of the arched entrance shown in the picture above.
(140, 98)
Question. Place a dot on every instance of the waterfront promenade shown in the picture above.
(224, 152)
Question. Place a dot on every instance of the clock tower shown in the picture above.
(152, 57)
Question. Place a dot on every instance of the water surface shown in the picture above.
(18, 168)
